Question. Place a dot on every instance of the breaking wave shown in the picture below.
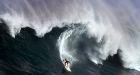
(113, 24)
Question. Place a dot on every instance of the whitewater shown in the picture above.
(113, 23)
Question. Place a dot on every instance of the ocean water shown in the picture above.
(98, 37)
(26, 54)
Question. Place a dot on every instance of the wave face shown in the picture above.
(114, 24)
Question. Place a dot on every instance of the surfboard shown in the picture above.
(67, 67)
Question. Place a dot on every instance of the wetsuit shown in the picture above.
(66, 62)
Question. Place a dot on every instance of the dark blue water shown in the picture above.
(27, 54)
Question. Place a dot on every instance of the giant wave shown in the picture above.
(114, 24)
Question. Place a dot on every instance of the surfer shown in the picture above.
(67, 65)
(66, 62)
